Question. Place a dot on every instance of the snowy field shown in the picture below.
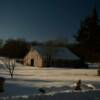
(27, 80)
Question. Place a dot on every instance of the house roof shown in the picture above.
(57, 53)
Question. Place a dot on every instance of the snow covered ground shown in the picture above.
(27, 80)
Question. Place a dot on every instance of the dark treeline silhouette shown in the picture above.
(17, 48)
(88, 38)
(14, 48)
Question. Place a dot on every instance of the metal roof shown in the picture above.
(64, 53)
(57, 53)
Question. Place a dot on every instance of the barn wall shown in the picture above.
(38, 61)
(68, 63)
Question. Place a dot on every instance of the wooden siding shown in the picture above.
(33, 54)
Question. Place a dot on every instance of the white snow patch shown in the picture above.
(27, 80)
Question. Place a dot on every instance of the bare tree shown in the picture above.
(10, 64)
(11, 50)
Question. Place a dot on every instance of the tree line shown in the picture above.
(88, 38)
(17, 48)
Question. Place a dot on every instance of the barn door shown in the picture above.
(32, 62)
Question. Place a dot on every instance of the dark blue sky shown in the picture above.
(43, 19)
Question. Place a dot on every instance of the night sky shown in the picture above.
(43, 20)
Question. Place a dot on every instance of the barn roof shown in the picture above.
(57, 53)
(40, 50)
(64, 53)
